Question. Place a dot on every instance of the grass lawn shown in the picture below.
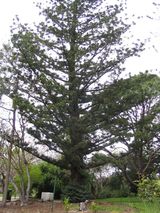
(138, 205)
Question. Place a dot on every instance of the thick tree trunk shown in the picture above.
(77, 175)
(78, 190)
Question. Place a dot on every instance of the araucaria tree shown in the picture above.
(62, 65)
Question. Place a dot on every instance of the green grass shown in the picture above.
(138, 205)
(119, 205)
(111, 209)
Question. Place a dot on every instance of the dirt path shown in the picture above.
(32, 207)
(44, 207)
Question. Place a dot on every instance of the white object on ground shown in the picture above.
(47, 196)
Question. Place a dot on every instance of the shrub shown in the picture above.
(148, 189)
(108, 192)
(77, 193)
(94, 207)
(67, 204)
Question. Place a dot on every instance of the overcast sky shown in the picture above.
(145, 28)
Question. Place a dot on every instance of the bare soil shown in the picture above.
(45, 207)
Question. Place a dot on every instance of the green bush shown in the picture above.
(112, 186)
(67, 204)
(43, 178)
(108, 192)
(76, 193)
(51, 175)
(94, 207)
(148, 189)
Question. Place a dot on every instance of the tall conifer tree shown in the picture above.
(62, 66)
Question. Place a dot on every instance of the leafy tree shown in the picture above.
(19, 167)
(36, 179)
(43, 177)
(62, 66)
(52, 175)
(137, 129)
(14, 161)
(5, 176)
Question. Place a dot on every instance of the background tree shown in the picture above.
(16, 159)
(9, 159)
(13, 159)
(62, 66)
(3, 91)
(137, 129)
(3, 149)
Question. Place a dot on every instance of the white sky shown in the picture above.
(144, 29)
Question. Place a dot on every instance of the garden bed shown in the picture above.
(46, 207)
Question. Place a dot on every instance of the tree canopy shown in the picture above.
(137, 129)
(62, 67)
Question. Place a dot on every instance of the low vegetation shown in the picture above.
(136, 204)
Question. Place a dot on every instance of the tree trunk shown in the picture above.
(77, 176)
(9, 159)
(15, 186)
(28, 177)
(28, 184)
(22, 189)
(7, 176)
(3, 182)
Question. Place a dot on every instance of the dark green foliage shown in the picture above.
(53, 175)
(114, 185)
(137, 127)
(108, 192)
(99, 159)
(49, 175)
(62, 67)
(77, 193)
